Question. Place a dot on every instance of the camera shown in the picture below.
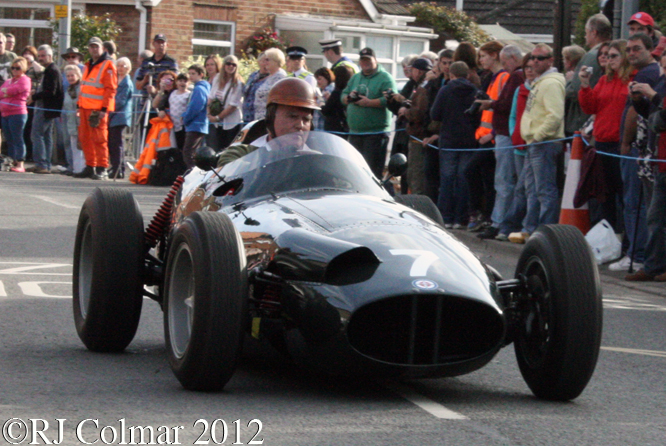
(474, 108)
(353, 97)
(388, 94)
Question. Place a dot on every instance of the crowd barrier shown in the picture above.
(135, 145)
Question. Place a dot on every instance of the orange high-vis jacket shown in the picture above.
(493, 91)
(99, 85)
(158, 139)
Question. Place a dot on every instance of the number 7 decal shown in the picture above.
(422, 262)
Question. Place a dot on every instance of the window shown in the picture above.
(408, 47)
(213, 38)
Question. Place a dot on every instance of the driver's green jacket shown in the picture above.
(233, 153)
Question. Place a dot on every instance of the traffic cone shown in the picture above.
(570, 215)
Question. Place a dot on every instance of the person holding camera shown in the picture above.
(632, 143)
(367, 115)
(607, 100)
(650, 104)
(417, 114)
(152, 67)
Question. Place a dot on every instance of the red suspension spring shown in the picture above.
(159, 222)
(271, 298)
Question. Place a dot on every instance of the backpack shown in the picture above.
(168, 165)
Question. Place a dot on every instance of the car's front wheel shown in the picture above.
(205, 301)
(108, 264)
(559, 333)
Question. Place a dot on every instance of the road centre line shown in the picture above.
(51, 201)
(636, 351)
(424, 403)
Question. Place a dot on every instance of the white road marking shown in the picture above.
(31, 269)
(35, 290)
(3, 293)
(424, 403)
(636, 351)
(52, 201)
(631, 303)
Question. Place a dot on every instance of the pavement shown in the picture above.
(614, 277)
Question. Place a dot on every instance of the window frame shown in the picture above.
(230, 44)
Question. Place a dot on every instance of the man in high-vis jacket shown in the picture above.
(97, 98)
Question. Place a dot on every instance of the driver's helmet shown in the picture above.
(293, 91)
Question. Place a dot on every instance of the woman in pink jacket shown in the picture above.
(13, 95)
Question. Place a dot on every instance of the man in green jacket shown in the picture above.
(290, 104)
(368, 118)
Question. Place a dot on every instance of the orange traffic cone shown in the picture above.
(570, 215)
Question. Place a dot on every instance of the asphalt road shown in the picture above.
(47, 375)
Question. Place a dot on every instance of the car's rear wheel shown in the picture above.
(205, 301)
(108, 263)
(422, 204)
(559, 333)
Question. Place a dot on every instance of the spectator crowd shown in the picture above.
(485, 130)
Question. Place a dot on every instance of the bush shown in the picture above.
(86, 26)
(454, 24)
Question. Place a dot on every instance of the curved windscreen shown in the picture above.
(295, 162)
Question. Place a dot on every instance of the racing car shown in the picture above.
(298, 244)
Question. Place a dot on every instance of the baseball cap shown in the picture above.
(367, 52)
(422, 64)
(160, 37)
(95, 41)
(643, 18)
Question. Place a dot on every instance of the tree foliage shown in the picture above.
(657, 9)
(86, 26)
(587, 9)
(449, 21)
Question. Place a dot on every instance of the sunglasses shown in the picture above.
(230, 64)
(613, 56)
(17, 68)
(540, 58)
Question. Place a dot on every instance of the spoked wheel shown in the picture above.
(559, 332)
(422, 204)
(108, 263)
(205, 301)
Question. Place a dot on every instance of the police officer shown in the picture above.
(290, 105)
(332, 50)
(296, 65)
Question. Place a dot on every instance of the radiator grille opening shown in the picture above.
(425, 329)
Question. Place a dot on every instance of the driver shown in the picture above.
(290, 104)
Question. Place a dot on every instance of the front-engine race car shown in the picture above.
(299, 245)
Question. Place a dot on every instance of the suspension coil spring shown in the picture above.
(161, 219)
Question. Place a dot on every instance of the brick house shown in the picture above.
(203, 27)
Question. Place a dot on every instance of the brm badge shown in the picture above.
(424, 284)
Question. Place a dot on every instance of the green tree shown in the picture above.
(86, 26)
(444, 20)
(587, 9)
(657, 9)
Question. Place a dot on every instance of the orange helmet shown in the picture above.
(293, 91)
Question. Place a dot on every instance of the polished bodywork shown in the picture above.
(342, 277)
